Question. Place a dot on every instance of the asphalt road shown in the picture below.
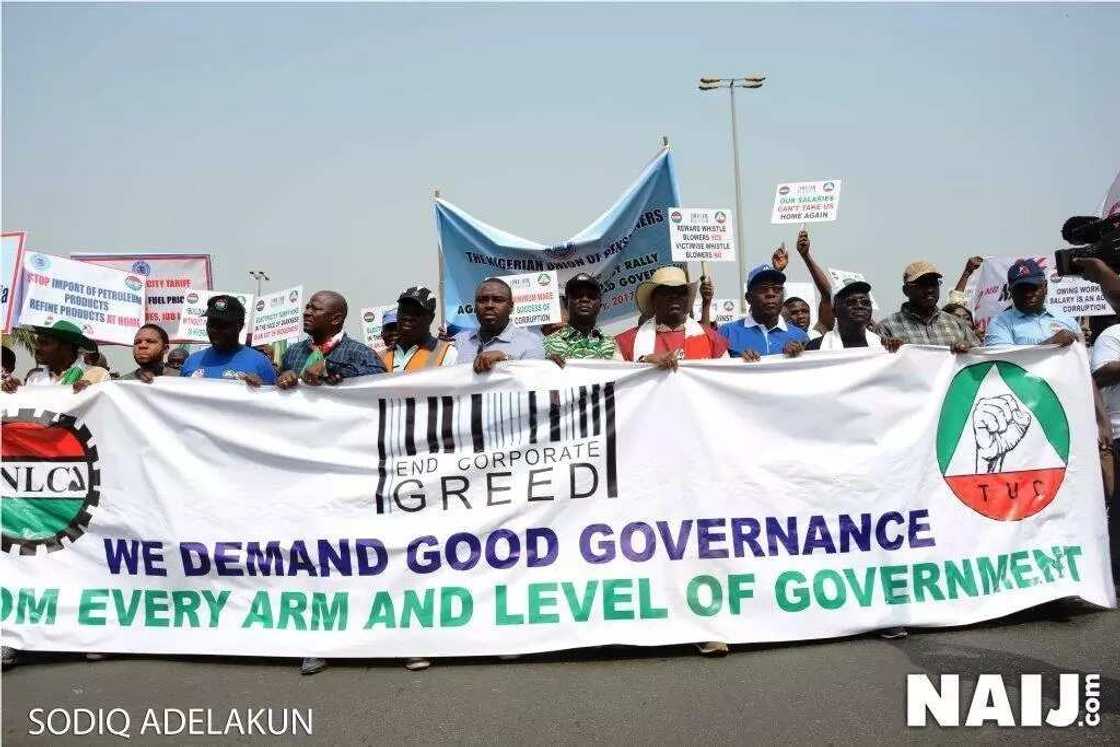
(850, 690)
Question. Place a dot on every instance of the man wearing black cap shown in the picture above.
(416, 348)
(227, 358)
(581, 339)
(329, 355)
(851, 307)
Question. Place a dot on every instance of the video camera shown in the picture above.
(1094, 237)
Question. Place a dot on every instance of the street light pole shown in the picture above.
(710, 84)
(258, 275)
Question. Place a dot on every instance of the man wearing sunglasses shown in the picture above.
(851, 308)
(920, 321)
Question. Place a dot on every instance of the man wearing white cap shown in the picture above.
(669, 335)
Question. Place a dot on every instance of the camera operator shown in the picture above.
(1098, 272)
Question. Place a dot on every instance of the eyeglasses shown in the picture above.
(926, 282)
(858, 302)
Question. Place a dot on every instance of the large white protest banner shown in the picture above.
(536, 298)
(1070, 295)
(806, 202)
(192, 324)
(108, 305)
(701, 235)
(278, 316)
(167, 278)
(11, 258)
(536, 508)
(373, 321)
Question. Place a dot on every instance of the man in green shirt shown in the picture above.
(581, 339)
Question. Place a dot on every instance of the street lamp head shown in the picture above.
(707, 88)
(753, 78)
(749, 85)
(709, 81)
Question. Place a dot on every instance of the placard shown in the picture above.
(701, 235)
(806, 202)
(11, 247)
(192, 325)
(536, 298)
(372, 323)
(278, 316)
(107, 305)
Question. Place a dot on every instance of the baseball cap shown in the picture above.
(851, 285)
(421, 295)
(581, 278)
(1025, 271)
(224, 309)
(764, 272)
(915, 270)
(390, 317)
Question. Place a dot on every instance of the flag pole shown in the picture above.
(439, 270)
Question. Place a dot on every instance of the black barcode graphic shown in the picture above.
(491, 421)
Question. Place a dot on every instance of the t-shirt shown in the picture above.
(214, 364)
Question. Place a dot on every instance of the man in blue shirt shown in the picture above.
(227, 358)
(1028, 322)
(496, 338)
(328, 355)
(763, 331)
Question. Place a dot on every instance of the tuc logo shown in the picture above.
(1002, 440)
(49, 480)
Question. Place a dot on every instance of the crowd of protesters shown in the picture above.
(666, 333)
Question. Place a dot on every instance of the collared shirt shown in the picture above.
(941, 329)
(749, 334)
(43, 376)
(161, 371)
(569, 342)
(348, 357)
(517, 343)
(401, 357)
(1107, 350)
(1014, 327)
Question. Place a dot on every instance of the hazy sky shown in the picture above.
(306, 140)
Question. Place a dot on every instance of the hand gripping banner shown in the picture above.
(622, 247)
(445, 513)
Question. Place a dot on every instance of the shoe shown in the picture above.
(10, 657)
(312, 665)
(892, 634)
(417, 664)
(713, 648)
(91, 656)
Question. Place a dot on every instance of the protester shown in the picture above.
(957, 295)
(1106, 377)
(149, 346)
(9, 365)
(389, 329)
(57, 354)
(763, 331)
(1028, 322)
(796, 311)
(919, 321)
(820, 279)
(583, 301)
(496, 338)
(851, 306)
(175, 360)
(227, 358)
(416, 347)
(328, 355)
(667, 334)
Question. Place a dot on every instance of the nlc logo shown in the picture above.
(990, 702)
(49, 480)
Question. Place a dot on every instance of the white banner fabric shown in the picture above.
(535, 508)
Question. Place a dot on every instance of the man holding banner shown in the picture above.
(1028, 321)
(57, 351)
(329, 355)
(227, 358)
(416, 348)
(496, 338)
(581, 338)
(669, 335)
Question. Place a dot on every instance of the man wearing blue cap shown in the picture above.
(763, 331)
(1028, 322)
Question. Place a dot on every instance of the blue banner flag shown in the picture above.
(622, 247)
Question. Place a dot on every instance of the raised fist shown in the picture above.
(999, 424)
